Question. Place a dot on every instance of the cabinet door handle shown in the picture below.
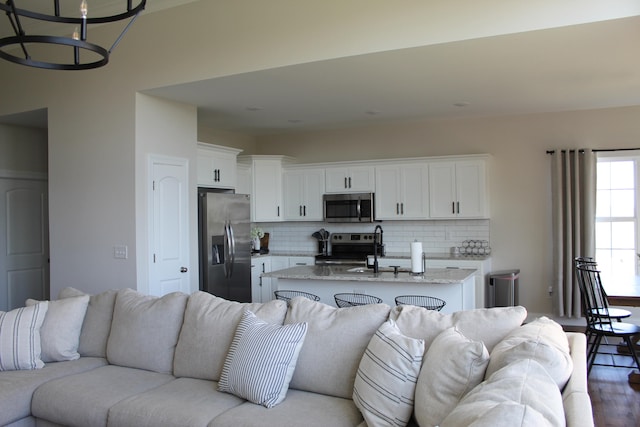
(349, 182)
(453, 207)
(278, 211)
(304, 210)
(397, 208)
(402, 208)
(458, 205)
(345, 182)
(300, 210)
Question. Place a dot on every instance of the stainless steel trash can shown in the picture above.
(502, 289)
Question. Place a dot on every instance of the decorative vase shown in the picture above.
(256, 243)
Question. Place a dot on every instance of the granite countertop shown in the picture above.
(283, 253)
(363, 274)
(438, 256)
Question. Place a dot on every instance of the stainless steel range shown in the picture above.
(349, 249)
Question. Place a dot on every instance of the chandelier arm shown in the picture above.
(123, 32)
(17, 27)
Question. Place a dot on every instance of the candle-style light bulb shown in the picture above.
(76, 34)
(83, 8)
(83, 11)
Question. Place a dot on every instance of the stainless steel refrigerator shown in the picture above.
(224, 242)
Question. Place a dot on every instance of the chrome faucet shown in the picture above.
(376, 245)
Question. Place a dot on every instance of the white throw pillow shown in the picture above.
(334, 345)
(60, 333)
(261, 360)
(520, 394)
(386, 380)
(542, 340)
(208, 329)
(20, 337)
(452, 367)
(489, 325)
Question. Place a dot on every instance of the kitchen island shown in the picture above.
(455, 286)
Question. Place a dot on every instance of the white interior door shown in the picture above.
(24, 242)
(169, 239)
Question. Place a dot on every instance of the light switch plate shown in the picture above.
(120, 252)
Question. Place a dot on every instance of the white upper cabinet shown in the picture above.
(458, 189)
(216, 166)
(303, 190)
(266, 187)
(402, 191)
(349, 179)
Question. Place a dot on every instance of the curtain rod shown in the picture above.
(595, 150)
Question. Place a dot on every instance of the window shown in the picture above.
(617, 214)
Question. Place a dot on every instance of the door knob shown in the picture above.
(183, 269)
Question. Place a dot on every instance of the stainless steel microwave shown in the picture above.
(354, 207)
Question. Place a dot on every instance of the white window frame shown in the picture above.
(630, 155)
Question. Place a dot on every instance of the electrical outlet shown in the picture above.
(120, 252)
(550, 289)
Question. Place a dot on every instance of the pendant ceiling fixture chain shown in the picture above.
(65, 46)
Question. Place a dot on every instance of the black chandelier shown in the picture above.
(83, 55)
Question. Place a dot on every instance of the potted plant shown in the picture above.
(256, 235)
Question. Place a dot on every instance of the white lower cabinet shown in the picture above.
(260, 286)
(295, 261)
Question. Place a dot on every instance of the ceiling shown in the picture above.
(578, 67)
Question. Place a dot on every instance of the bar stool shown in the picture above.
(287, 295)
(355, 299)
(430, 303)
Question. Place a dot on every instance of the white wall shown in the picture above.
(163, 128)
(23, 149)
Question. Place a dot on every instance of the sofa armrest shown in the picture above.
(575, 396)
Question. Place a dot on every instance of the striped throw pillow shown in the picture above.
(20, 346)
(261, 360)
(386, 380)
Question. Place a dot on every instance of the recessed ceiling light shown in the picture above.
(461, 104)
(372, 112)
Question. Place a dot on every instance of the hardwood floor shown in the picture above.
(616, 402)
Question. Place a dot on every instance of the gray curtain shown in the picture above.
(574, 207)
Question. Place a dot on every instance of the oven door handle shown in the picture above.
(359, 210)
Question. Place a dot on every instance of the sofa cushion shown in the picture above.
(261, 360)
(20, 346)
(520, 394)
(335, 342)
(209, 326)
(17, 387)
(489, 325)
(543, 340)
(85, 399)
(60, 332)
(97, 321)
(299, 408)
(386, 380)
(452, 367)
(183, 402)
(145, 330)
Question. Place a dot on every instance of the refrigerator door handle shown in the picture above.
(227, 250)
(232, 240)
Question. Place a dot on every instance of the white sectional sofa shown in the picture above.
(199, 360)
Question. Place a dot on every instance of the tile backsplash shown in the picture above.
(436, 236)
